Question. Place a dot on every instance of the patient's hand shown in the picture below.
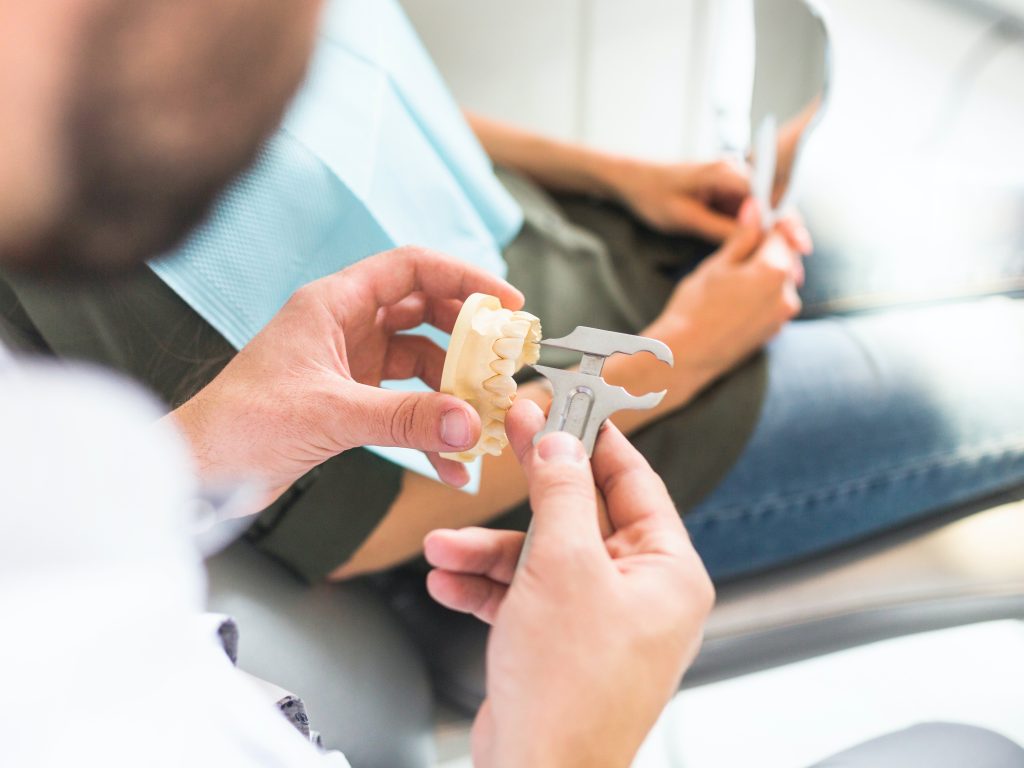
(699, 199)
(592, 636)
(308, 386)
(737, 299)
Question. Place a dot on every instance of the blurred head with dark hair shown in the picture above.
(121, 120)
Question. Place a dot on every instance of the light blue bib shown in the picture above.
(374, 154)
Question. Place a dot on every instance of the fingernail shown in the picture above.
(750, 215)
(561, 448)
(455, 429)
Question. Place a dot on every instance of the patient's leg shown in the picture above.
(871, 421)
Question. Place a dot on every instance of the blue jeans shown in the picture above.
(871, 421)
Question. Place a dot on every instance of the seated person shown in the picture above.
(102, 576)
(843, 426)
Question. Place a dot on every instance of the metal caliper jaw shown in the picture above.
(582, 400)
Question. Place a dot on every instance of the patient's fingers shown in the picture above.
(712, 225)
(796, 234)
(729, 185)
(388, 278)
(475, 551)
(414, 357)
(748, 235)
(477, 595)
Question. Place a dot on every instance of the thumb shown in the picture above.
(747, 235)
(427, 421)
(563, 498)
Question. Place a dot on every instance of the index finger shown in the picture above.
(392, 276)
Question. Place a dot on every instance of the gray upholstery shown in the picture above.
(960, 568)
(935, 745)
(337, 647)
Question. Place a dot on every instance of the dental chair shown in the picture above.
(373, 659)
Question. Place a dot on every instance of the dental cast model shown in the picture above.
(489, 345)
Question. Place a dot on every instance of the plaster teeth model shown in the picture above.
(489, 345)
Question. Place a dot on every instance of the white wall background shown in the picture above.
(615, 73)
(634, 75)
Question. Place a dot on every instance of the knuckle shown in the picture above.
(704, 593)
(778, 272)
(793, 306)
(567, 487)
(305, 295)
(700, 594)
(403, 422)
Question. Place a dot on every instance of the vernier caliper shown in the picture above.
(583, 401)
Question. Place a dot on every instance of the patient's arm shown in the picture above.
(558, 165)
(685, 198)
(734, 302)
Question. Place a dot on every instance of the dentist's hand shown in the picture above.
(308, 386)
(699, 199)
(592, 636)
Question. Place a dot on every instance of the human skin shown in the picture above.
(738, 299)
(641, 588)
(307, 388)
(122, 121)
(699, 199)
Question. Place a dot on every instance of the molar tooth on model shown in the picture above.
(489, 345)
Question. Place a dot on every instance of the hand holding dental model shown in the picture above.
(308, 386)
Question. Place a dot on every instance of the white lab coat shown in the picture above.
(102, 661)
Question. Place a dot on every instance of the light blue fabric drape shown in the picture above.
(373, 154)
